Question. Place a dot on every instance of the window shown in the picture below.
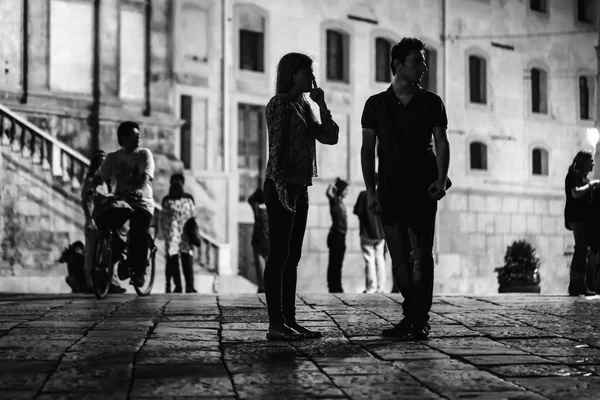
(585, 11)
(132, 53)
(477, 80)
(251, 148)
(587, 104)
(429, 80)
(478, 154)
(71, 46)
(539, 91)
(539, 5)
(252, 41)
(194, 24)
(383, 49)
(539, 159)
(337, 56)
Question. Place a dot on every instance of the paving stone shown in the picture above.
(562, 388)
(18, 394)
(506, 360)
(536, 370)
(167, 346)
(185, 380)
(298, 383)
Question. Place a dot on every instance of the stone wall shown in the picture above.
(38, 220)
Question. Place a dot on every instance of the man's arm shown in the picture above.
(442, 151)
(147, 170)
(367, 158)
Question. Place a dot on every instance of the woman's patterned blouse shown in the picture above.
(293, 130)
(175, 214)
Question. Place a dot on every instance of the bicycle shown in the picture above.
(109, 221)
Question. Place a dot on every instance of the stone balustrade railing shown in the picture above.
(69, 167)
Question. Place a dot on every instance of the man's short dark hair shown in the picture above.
(402, 49)
(125, 129)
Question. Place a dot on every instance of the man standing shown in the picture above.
(372, 244)
(336, 240)
(402, 123)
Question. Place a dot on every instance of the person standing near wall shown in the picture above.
(336, 240)
(578, 192)
(260, 236)
(372, 244)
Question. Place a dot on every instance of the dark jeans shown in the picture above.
(172, 272)
(336, 243)
(286, 231)
(413, 270)
(139, 223)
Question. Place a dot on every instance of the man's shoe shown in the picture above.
(190, 290)
(115, 289)
(399, 331)
(370, 291)
(282, 332)
(417, 334)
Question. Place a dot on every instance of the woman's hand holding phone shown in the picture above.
(317, 95)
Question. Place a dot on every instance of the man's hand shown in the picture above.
(437, 189)
(284, 198)
(373, 203)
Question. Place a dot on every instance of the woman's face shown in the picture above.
(303, 79)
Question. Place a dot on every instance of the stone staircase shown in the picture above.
(41, 213)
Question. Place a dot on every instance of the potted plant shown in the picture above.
(519, 274)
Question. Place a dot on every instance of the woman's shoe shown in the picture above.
(306, 332)
(177, 289)
(282, 332)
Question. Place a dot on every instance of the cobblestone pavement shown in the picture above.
(205, 346)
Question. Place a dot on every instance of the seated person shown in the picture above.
(132, 169)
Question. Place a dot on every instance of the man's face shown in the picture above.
(132, 140)
(414, 66)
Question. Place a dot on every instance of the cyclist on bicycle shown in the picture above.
(132, 169)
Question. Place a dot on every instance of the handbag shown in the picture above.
(192, 231)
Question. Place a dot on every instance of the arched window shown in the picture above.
(539, 161)
(251, 40)
(477, 79)
(584, 98)
(383, 49)
(478, 155)
(539, 91)
(338, 52)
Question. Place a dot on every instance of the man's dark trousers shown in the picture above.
(336, 242)
(413, 267)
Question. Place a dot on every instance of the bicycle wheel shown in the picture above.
(149, 273)
(102, 271)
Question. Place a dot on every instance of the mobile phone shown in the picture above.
(314, 83)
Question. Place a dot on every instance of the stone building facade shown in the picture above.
(514, 77)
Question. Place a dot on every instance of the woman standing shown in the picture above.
(178, 207)
(292, 164)
(578, 191)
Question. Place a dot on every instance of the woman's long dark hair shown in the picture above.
(581, 158)
(287, 67)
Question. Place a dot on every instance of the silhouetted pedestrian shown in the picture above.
(372, 244)
(178, 207)
(578, 192)
(336, 240)
(292, 129)
(400, 123)
(260, 236)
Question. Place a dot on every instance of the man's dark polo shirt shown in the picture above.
(407, 163)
